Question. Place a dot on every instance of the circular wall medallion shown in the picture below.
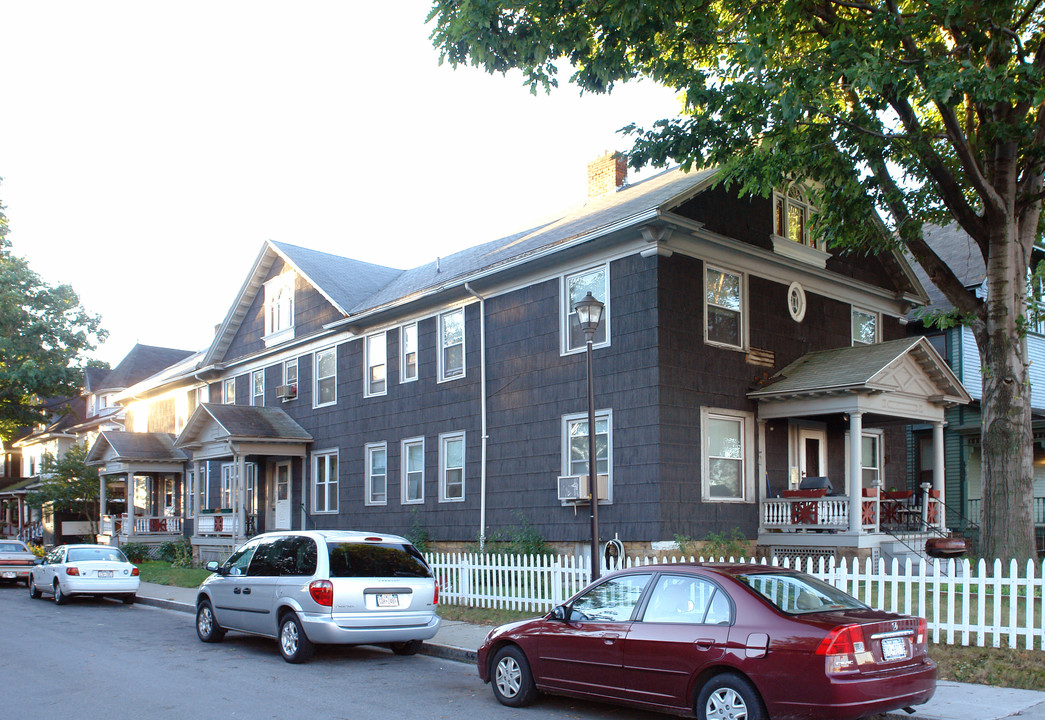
(796, 301)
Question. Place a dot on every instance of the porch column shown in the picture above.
(762, 490)
(102, 505)
(938, 479)
(856, 464)
(241, 495)
(130, 505)
(198, 485)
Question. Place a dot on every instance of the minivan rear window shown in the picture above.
(353, 559)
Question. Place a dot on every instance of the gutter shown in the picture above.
(482, 405)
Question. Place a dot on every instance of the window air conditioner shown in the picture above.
(286, 392)
(574, 488)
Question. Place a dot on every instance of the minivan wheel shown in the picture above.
(207, 627)
(410, 647)
(512, 680)
(293, 643)
(729, 697)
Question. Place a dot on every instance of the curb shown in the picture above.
(447, 652)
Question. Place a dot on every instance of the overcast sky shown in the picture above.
(148, 149)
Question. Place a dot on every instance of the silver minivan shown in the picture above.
(324, 586)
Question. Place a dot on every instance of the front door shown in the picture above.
(282, 519)
(812, 453)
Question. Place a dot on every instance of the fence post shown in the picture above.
(556, 581)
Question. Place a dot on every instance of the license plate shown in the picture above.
(105, 573)
(894, 649)
(9, 576)
(388, 600)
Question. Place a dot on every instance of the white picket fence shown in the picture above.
(963, 603)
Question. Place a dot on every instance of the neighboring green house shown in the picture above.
(962, 433)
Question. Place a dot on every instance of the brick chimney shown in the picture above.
(606, 174)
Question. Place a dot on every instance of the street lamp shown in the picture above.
(589, 315)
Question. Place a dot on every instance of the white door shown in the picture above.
(282, 520)
(812, 453)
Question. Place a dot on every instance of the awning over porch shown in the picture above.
(905, 379)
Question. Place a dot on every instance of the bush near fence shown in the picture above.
(964, 603)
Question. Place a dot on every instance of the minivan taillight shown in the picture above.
(322, 591)
(839, 649)
(435, 600)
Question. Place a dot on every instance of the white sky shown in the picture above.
(148, 149)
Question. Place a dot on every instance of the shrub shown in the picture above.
(418, 533)
(177, 552)
(522, 539)
(721, 545)
(136, 552)
(38, 550)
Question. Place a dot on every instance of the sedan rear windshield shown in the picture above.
(106, 554)
(797, 593)
(13, 548)
(353, 559)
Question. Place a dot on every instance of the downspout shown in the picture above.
(482, 393)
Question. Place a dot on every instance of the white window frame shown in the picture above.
(404, 376)
(371, 361)
(853, 310)
(404, 495)
(445, 438)
(743, 332)
(566, 310)
(441, 346)
(202, 395)
(369, 451)
(316, 379)
(228, 391)
(254, 375)
(288, 377)
(747, 454)
(279, 309)
(879, 436)
(567, 465)
(789, 203)
(325, 455)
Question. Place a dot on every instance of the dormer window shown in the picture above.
(791, 227)
(279, 309)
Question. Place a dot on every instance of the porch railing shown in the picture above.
(113, 525)
(217, 522)
(889, 512)
(976, 507)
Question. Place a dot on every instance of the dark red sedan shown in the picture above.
(723, 642)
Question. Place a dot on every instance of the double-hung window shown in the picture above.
(324, 481)
(451, 344)
(376, 365)
(228, 392)
(279, 309)
(376, 474)
(727, 455)
(408, 353)
(865, 327)
(257, 388)
(575, 288)
(290, 378)
(451, 467)
(576, 446)
(413, 465)
(724, 307)
(791, 215)
(325, 372)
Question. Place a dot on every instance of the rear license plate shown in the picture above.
(105, 573)
(387, 600)
(8, 576)
(894, 649)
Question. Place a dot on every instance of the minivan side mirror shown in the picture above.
(213, 566)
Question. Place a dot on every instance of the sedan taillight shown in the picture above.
(839, 649)
(135, 572)
(72, 571)
(322, 591)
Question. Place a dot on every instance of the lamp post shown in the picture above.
(589, 314)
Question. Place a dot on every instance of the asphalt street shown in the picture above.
(97, 659)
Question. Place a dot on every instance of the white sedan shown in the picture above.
(84, 570)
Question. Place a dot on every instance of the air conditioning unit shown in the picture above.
(574, 488)
(286, 392)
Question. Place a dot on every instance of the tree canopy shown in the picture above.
(69, 485)
(44, 335)
(903, 113)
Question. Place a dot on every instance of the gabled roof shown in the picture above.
(862, 368)
(242, 423)
(60, 426)
(141, 362)
(960, 253)
(136, 447)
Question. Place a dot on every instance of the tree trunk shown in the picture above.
(1006, 525)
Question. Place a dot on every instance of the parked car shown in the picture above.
(70, 570)
(16, 560)
(307, 588)
(717, 641)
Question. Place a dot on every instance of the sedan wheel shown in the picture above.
(60, 598)
(293, 643)
(207, 627)
(729, 697)
(34, 592)
(512, 681)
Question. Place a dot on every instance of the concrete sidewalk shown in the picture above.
(459, 641)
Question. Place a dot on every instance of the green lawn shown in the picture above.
(161, 573)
